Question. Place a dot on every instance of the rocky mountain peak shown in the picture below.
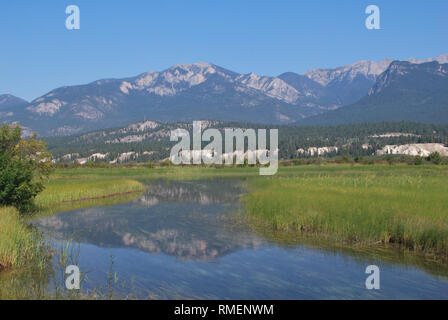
(10, 101)
(443, 58)
(198, 67)
(413, 71)
(368, 69)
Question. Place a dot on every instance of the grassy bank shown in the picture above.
(19, 244)
(143, 173)
(376, 204)
(60, 191)
(79, 189)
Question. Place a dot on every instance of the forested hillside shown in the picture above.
(149, 141)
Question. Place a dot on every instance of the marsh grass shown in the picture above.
(19, 243)
(143, 173)
(84, 204)
(32, 282)
(59, 191)
(374, 206)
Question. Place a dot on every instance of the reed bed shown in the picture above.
(373, 206)
(19, 244)
(62, 191)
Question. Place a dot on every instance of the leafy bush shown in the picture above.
(24, 165)
(149, 165)
(97, 164)
(418, 160)
(435, 158)
(368, 161)
(358, 159)
(346, 158)
(165, 163)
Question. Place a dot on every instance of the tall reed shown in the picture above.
(19, 243)
(369, 207)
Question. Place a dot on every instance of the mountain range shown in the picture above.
(363, 91)
(404, 92)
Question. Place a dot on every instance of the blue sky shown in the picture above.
(125, 38)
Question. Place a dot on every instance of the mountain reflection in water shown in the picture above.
(184, 219)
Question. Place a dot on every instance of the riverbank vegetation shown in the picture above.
(25, 166)
(61, 193)
(404, 205)
(19, 244)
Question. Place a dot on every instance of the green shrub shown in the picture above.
(368, 161)
(418, 160)
(165, 163)
(24, 165)
(435, 158)
(149, 165)
(346, 158)
(297, 162)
